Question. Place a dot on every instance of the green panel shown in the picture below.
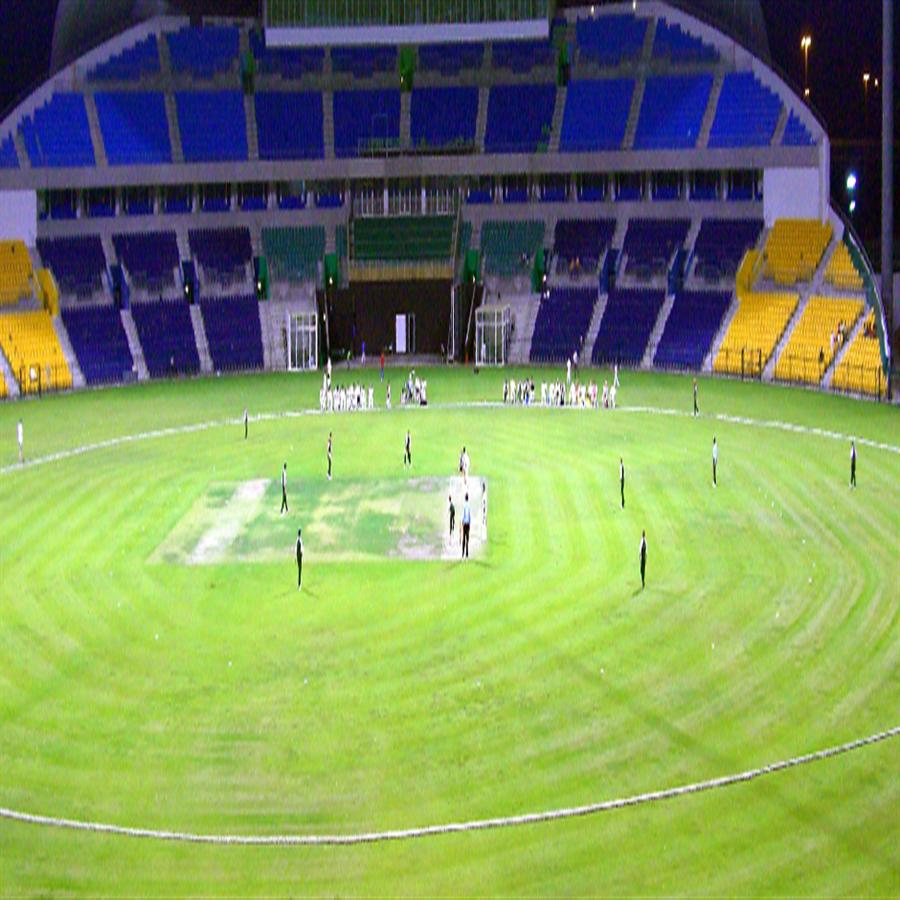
(332, 269)
(509, 248)
(294, 253)
(407, 238)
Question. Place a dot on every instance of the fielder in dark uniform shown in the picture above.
(715, 457)
(329, 456)
(853, 464)
(284, 503)
(643, 558)
(299, 558)
(452, 515)
(466, 524)
(696, 405)
(246, 423)
(622, 480)
(407, 452)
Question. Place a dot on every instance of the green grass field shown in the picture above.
(148, 683)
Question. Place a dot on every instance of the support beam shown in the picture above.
(887, 181)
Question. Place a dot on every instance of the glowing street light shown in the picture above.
(805, 44)
(851, 182)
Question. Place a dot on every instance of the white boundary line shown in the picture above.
(296, 414)
(373, 837)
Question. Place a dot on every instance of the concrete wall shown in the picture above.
(18, 216)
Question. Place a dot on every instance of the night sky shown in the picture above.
(846, 41)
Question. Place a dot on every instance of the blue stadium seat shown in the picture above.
(233, 332)
(522, 56)
(596, 115)
(672, 43)
(650, 244)
(204, 52)
(364, 119)
(9, 159)
(519, 117)
(134, 126)
(611, 40)
(223, 252)
(58, 135)
(289, 125)
(721, 245)
(450, 59)
(443, 117)
(288, 62)
(167, 337)
(626, 325)
(672, 111)
(562, 323)
(747, 113)
(151, 259)
(363, 62)
(692, 324)
(78, 263)
(796, 134)
(98, 339)
(582, 242)
(213, 125)
(131, 64)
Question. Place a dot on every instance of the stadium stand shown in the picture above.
(404, 238)
(134, 127)
(522, 56)
(58, 134)
(680, 48)
(289, 125)
(365, 119)
(213, 125)
(672, 111)
(32, 348)
(3, 389)
(794, 249)
(450, 59)
(204, 52)
(796, 134)
(562, 322)
(610, 40)
(132, 64)
(626, 325)
(692, 324)
(579, 244)
(721, 244)
(167, 337)
(222, 252)
(364, 62)
(596, 114)
(150, 258)
(508, 248)
(747, 113)
(443, 118)
(9, 159)
(813, 342)
(233, 331)
(77, 263)
(841, 271)
(16, 272)
(519, 117)
(650, 244)
(860, 369)
(287, 62)
(756, 328)
(98, 339)
(294, 254)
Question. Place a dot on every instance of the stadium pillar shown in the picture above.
(887, 181)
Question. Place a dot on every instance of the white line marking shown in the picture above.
(480, 404)
(373, 837)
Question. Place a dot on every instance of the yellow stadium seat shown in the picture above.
(860, 370)
(841, 272)
(754, 331)
(33, 350)
(810, 348)
(794, 249)
(2, 386)
(15, 273)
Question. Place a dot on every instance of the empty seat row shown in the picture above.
(294, 254)
(752, 334)
(407, 238)
(77, 263)
(794, 249)
(32, 347)
(626, 325)
(509, 247)
(563, 318)
(16, 272)
(98, 339)
(167, 337)
(692, 324)
(860, 369)
(233, 332)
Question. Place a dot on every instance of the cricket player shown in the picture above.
(569, 370)
(466, 525)
(452, 511)
(696, 406)
(284, 503)
(715, 460)
(20, 436)
(852, 458)
(643, 558)
(464, 466)
(407, 451)
(612, 396)
(382, 365)
(299, 558)
(329, 455)
(616, 374)
(622, 480)
(246, 423)
(388, 400)
(484, 508)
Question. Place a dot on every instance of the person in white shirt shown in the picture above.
(464, 465)
(568, 371)
(604, 401)
(715, 460)
(371, 398)
(20, 436)
(612, 396)
(328, 370)
(616, 374)
(388, 398)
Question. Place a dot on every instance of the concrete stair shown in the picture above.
(720, 334)
(481, 118)
(96, 134)
(769, 369)
(828, 377)
(634, 113)
(174, 130)
(328, 117)
(200, 338)
(12, 386)
(778, 135)
(558, 112)
(658, 328)
(265, 335)
(594, 328)
(252, 136)
(134, 345)
(59, 327)
(24, 160)
(525, 310)
(165, 58)
(712, 105)
(649, 39)
(405, 119)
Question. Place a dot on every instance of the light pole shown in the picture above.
(805, 44)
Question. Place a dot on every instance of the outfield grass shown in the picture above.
(393, 693)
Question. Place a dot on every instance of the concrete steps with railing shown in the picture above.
(78, 380)
(720, 334)
(657, 332)
(828, 377)
(594, 327)
(558, 113)
(94, 127)
(12, 385)
(200, 339)
(134, 345)
(328, 120)
(174, 130)
(634, 114)
(252, 135)
(405, 119)
(709, 116)
(481, 118)
(769, 368)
